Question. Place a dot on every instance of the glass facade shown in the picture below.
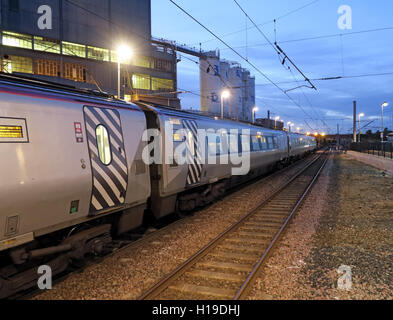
(18, 40)
(46, 45)
(74, 49)
(47, 67)
(141, 61)
(141, 81)
(17, 64)
(159, 84)
(78, 72)
(98, 53)
(75, 72)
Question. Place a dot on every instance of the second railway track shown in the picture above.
(227, 266)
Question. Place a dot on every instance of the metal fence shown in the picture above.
(375, 148)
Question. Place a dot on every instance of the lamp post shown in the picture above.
(360, 115)
(123, 54)
(254, 110)
(383, 105)
(275, 121)
(224, 95)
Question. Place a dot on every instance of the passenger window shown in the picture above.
(275, 140)
(255, 143)
(270, 142)
(104, 148)
(264, 143)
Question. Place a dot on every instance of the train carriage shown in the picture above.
(75, 170)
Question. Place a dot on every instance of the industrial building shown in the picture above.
(217, 75)
(80, 47)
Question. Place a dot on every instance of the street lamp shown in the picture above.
(384, 105)
(123, 54)
(275, 121)
(360, 115)
(224, 95)
(298, 129)
(253, 114)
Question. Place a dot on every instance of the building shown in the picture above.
(217, 75)
(78, 46)
(269, 123)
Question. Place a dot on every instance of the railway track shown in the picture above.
(121, 245)
(227, 266)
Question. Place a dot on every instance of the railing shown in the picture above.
(375, 148)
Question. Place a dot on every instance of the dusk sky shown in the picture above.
(354, 53)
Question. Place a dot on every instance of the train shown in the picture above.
(74, 171)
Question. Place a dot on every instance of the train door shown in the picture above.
(108, 158)
(194, 157)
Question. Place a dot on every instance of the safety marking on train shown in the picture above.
(109, 181)
(194, 155)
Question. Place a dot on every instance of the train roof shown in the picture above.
(170, 112)
(105, 98)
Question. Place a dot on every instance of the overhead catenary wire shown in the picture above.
(241, 56)
(265, 23)
(280, 52)
(335, 35)
(275, 46)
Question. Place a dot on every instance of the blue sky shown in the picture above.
(346, 55)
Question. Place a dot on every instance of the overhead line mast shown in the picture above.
(243, 58)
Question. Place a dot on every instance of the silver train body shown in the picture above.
(70, 159)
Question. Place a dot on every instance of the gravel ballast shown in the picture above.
(346, 221)
(131, 271)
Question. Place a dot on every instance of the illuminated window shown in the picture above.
(162, 84)
(74, 49)
(141, 61)
(75, 72)
(17, 64)
(47, 45)
(255, 143)
(141, 81)
(114, 58)
(104, 149)
(264, 143)
(98, 53)
(47, 67)
(19, 40)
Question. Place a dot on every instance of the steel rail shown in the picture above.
(30, 293)
(262, 259)
(164, 283)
